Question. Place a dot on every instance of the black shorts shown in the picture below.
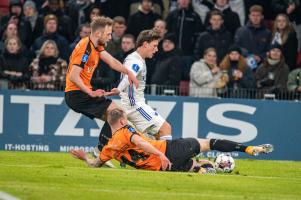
(180, 153)
(93, 107)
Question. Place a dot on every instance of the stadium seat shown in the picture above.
(184, 88)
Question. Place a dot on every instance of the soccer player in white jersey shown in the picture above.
(145, 118)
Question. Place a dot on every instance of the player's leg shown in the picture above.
(165, 131)
(229, 146)
(203, 167)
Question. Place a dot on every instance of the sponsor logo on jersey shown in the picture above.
(85, 58)
(135, 67)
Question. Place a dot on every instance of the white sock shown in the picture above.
(166, 137)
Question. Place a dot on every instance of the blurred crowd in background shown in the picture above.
(208, 48)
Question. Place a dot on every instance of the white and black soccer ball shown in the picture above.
(224, 163)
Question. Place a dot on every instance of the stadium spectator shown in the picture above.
(157, 7)
(14, 64)
(292, 8)
(294, 82)
(78, 11)
(95, 11)
(231, 19)
(168, 66)
(216, 36)
(241, 77)
(205, 76)
(254, 38)
(127, 47)
(266, 5)
(202, 7)
(50, 33)
(31, 14)
(64, 22)
(84, 30)
(133, 148)
(285, 35)
(16, 16)
(186, 25)
(119, 28)
(160, 26)
(12, 31)
(48, 70)
(143, 19)
(272, 74)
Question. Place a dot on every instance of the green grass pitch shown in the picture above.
(30, 175)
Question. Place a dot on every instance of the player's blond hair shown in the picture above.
(114, 115)
(100, 23)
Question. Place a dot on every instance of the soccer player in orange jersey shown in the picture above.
(129, 146)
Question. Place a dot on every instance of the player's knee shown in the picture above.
(205, 144)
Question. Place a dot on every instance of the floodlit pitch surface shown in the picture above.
(29, 175)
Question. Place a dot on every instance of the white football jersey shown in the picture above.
(130, 95)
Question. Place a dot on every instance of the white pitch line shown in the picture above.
(6, 196)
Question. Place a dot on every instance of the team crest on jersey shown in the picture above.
(85, 58)
(135, 67)
(131, 129)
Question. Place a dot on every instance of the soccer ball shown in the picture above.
(224, 163)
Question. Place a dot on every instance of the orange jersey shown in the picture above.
(122, 149)
(86, 56)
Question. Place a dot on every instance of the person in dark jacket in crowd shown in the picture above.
(216, 36)
(16, 16)
(285, 35)
(241, 77)
(119, 28)
(292, 8)
(84, 30)
(143, 19)
(64, 26)
(231, 19)
(186, 25)
(14, 64)
(272, 74)
(168, 66)
(50, 33)
(254, 38)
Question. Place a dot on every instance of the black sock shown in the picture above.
(104, 136)
(226, 145)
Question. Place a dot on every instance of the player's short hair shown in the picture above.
(256, 8)
(100, 23)
(114, 115)
(147, 36)
(119, 20)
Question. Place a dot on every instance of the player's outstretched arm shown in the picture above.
(80, 154)
(116, 65)
(148, 148)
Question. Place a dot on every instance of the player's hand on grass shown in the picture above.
(79, 154)
(165, 163)
(132, 78)
(97, 93)
(113, 92)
